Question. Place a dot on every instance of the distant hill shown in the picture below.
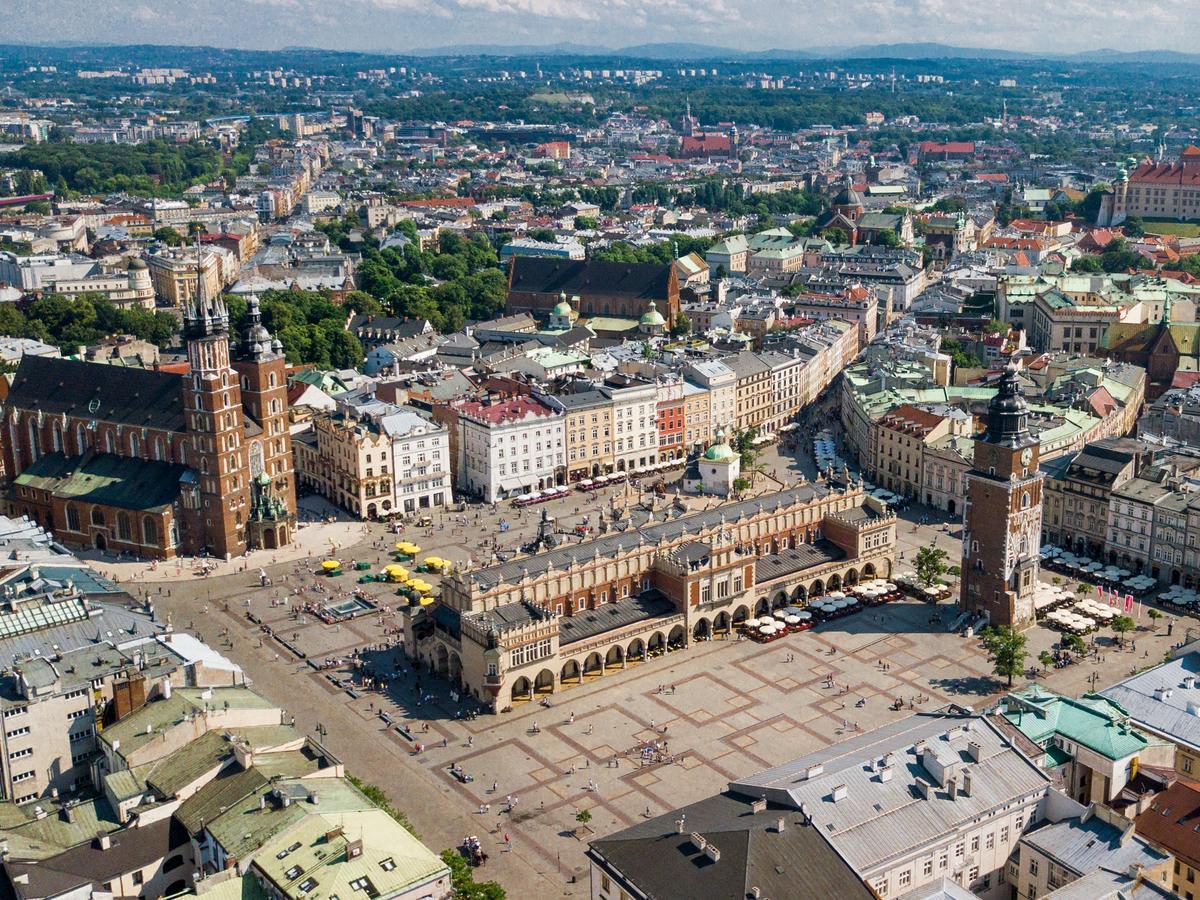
(673, 52)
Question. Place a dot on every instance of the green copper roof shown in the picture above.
(1092, 721)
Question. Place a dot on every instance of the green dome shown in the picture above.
(563, 309)
(653, 318)
(720, 451)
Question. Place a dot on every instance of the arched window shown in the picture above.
(80, 439)
(158, 448)
(110, 442)
(56, 436)
(35, 444)
(271, 380)
(72, 517)
(123, 526)
(135, 446)
(97, 516)
(149, 531)
(183, 452)
(204, 465)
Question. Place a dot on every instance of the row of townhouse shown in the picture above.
(910, 429)
(374, 459)
(511, 438)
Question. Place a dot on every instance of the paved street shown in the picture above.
(637, 742)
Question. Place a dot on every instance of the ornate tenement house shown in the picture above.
(542, 623)
(156, 463)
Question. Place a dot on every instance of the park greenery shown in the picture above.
(309, 324)
(69, 322)
(458, 282)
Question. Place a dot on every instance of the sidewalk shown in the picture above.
(317, 541)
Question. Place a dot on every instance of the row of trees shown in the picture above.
(69, 322)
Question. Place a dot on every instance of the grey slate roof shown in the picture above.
(1172, 717)
(608, 616)
(882, 821)
(796, 559)
(611, 545)
(753, 853)
(1082, 847)
(548, 275)
(133, 396)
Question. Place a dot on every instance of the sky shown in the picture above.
(400, 25)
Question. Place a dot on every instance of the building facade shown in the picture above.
(1003, 517)
(155, 463)
(540, 624)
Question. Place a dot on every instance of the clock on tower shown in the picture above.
(1003, 514)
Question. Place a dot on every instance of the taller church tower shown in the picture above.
(213, 408)
(1003, 516)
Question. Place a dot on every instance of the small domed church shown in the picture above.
(157, 463)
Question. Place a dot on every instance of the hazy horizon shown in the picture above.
(397, 26)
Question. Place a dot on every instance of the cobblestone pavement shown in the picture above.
(718, 711)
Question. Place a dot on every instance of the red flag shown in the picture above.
(1128, 603)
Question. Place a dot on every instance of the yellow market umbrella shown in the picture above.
(426, 601)
(423, 587)
(331, 565)
(408, 548)
(434, 562)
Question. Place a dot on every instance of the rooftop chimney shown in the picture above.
(814, 770)
(780, 825)
(712, 852)
(759, 805)
(975, 751)
(885, 774)
(839, 793)
(698, 840)
(966, 784)
(952, 787)
(925, 788)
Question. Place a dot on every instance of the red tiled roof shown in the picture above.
(907, 417)
(947, 147)
(441, 202)
(502, 412)
(705, 143)
(1172, 818)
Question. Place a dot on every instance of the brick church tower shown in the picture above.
(217, 447)
(1003, 516)
(262, 377)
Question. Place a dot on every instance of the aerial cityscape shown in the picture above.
(463, 450)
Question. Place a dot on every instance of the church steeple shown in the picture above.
(203, 317)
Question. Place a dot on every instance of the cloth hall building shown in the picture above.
(540, 624)
(157, 463)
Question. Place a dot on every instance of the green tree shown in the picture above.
(545, 235)
(1075, 644)
(585, 223)
(462, 880)
(1046, 658)
(1121, 626)
(1154, 615)
(1135, 227)
(682, 325)
(1006, 647)
(743, 443)
(930, 564)
(168, 236)
(741, 485)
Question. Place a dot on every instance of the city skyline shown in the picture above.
(405, 25)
